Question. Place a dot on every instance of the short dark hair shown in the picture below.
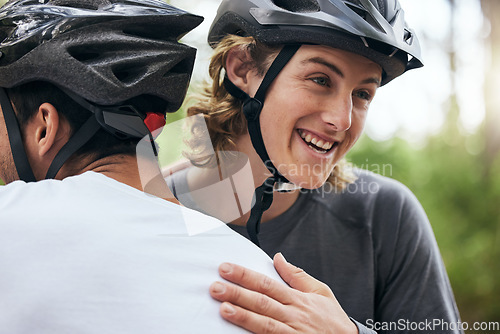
(26, 99)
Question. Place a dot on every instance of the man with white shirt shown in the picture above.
(90, 240)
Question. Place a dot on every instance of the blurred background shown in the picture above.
(435, 130)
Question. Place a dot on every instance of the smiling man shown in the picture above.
(292, 82)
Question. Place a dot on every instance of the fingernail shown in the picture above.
(218, 288)
(283, 257)
(227, 309)
(225, 268)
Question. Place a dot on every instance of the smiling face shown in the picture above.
(315, 111)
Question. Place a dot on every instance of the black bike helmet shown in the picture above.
(375, 29)
(104, 54)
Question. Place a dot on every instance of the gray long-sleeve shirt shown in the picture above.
(373, 246)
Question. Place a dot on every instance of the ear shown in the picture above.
(240, 70)
(51, 131)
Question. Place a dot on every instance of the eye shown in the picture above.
(322, 81)
(363, 94)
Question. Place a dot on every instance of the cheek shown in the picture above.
(284, 110)
(358, 124)
(353, 134)
(273, 128)
(277, 117)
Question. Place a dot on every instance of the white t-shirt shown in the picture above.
(91, 255)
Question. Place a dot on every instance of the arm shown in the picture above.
(412, 281)
(262, 305)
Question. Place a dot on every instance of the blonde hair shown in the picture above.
(222, 112)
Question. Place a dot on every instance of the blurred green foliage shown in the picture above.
(461, 195)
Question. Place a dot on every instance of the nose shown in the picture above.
(338, 112)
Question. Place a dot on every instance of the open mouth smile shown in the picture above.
(317, 144)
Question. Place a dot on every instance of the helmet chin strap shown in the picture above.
(252, 107)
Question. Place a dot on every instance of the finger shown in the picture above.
(253, 322)
(250, 300)
(258, 282)
(298, 279)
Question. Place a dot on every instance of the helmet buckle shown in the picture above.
(252, 108)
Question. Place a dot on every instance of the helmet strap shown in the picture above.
(123, 117)
(82, 136)
(278, 64)
(263, 200)
(252, 107)
(21, 161)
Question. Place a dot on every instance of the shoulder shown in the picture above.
(22, 201)
(398, 223)
(393, 207)
(383, 195)
(87, 193)
(369, 200)
(369, 185)
(18, 192)
(48, 189)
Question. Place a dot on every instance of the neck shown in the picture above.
(282, 201)
(235, 195)
(138, 172)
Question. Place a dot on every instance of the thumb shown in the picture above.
(298, 278)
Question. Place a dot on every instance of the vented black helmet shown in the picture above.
(103, 54)
(106, 51)
(375, 29)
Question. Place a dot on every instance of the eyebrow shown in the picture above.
(332, 67)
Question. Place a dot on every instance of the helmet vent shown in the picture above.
(365, 15)
(357, 8)
(181, 67)
(149, 32)
(129, 74)
(408, 37)
(83, 54)
(91, 4)
(298, 6)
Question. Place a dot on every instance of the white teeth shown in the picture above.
(315, 141)
(317, 151)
